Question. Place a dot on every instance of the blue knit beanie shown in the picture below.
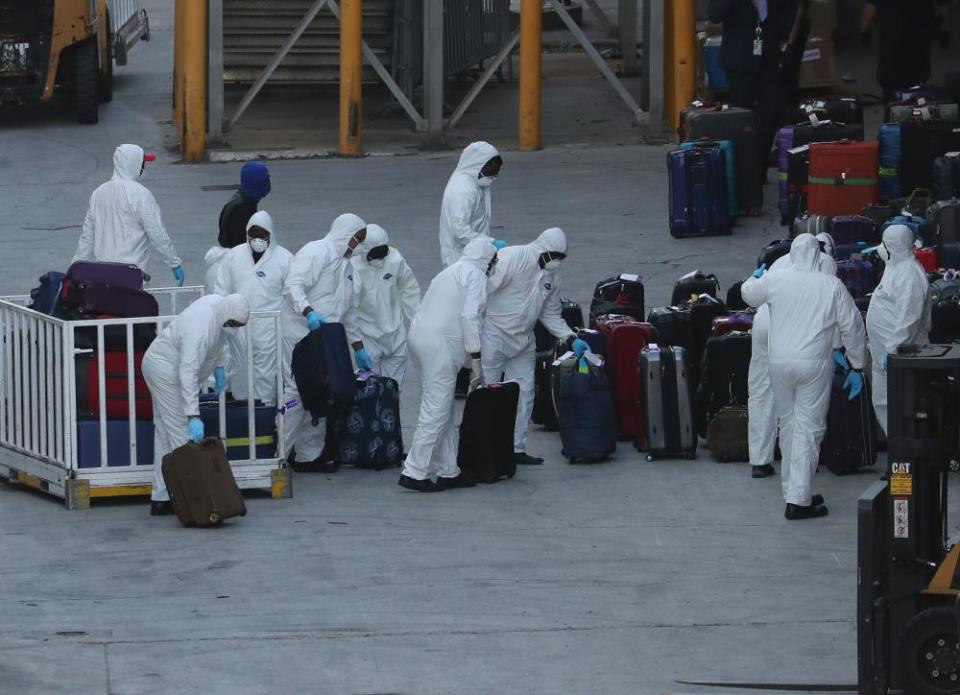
(255, 180)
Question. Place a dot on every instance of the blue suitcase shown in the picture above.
(238, 439)
(729, 152)
(118, 443)
(889, 139)
(587, 414)
(698, 191)
(323, 370)
(922, 229)
(45, 297)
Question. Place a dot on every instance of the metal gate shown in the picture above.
(128, 24)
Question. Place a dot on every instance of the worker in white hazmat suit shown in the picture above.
(258, 271)
(899, 311)
(806, 307)
(524, 289)
(466, 210)
(319, 289)
(762, 418)
(123, 219)
(176, 366)
(387, 298)
(444, 335)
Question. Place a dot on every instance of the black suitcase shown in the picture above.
(735, 298)
(587, 417)
(945, 311)
(486, 433)
(694, 284)
(623, 295)
(723, 377)
(838, 110)
(921, 142)
(45, 297)
(702, 313)
(850, 441)
(728, 436)
(773, 251)
(674, 325)
(544, 409)
(798, 179)
(670, 430)
(570, 312)
(323, 370)
(201, 484)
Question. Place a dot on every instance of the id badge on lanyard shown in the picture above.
(758, 43)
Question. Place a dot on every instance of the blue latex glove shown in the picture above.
(364, 364)
(885, 361)
(195, 426)
(178, 275)
(841, 360)
(315, 320)
(579, 347)
(854, 382)
(500, 244)
(758, 273)
(220, 379)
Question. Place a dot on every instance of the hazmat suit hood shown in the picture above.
(262, 219)
(376, 236)
(255, 180)
(474, 158)
(234, 307)
(479, 252)
(827, 241)
(898, 239)
(127, 162)
(552, 240)
(342, 230)
(214, 255)
(805, 253)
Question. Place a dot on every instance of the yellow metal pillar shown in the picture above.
(351, 93)
(178, 32)
(194, 81)
(680, 29)
(531, 28)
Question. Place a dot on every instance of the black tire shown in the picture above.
(929, 645)
(86, 81)
(106, 79)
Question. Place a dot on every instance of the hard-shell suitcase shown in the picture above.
(944, 217)
(96, 300)
(852, 229)
(921, 142)
(735, 298)
(734, 322)
(323, 370)
(570, 312)
(945, 311)
(674, 325)
(693, 285)
(912, 110)
(728, 435)
(928, 258)
(588, 420)
(948, 256)
(858, 276)
(810, 224)
(850, 441)
(928, 92)
(729, 155)
(698, 192)
(123, 275)
(923, 231)
(622, 295)
(592, 337)
(237, 439)
(770, 253)
(201, 484)
(118, 443)
(843, 177)
(889, 139)
(544, 411)
(368, 433)
(626, 339)
(945, 177)
(836, 110)
(879, 213)
(670, 429)
(726, 363)
(798, 179)
(486, 433)
(45, 297)
(116, 387)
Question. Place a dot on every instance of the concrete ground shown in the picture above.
(621, 577)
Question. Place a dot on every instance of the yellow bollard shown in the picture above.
(194, 89)
(531, 28)
(178, 39)
(679, 64)
(351, 93)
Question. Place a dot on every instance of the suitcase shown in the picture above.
(693, 285)
(323, 370)
(544, 411)
(588, 419)
(858, 276)
(728, 435)
(368, 434)
(838, 110)
(740, 127)
(115, 381)
(595, 339)
(928, 258)
(843, 177)
(735, 298)
(944, 217)
(798, 179)
(916, 204)
(948, 256)
(124, 275)
(95, 300)
(570, 312)
(770, 253)
(485, 452)
(889, 139)
(201, 484)
(850, 441)
(623, 295)
(945, 320)
(45, 297)
(726, 362)
(626, 339)
(923, 231)
(733, 204)
(912, 110)
(944, 178)
(852, 229)
(921, 142)
(698, 192)
(674, 325)
(879, 213)
(237, 439)
(670, 430)
(118, 443)
(735, 322)
(927, 92)
(811, 224)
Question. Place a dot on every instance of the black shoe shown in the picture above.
(816, 500)
(418, 485)
(161, 508)
(764, 471)
(794, 512)
(315, 466)
(522, 458)
(462, 480)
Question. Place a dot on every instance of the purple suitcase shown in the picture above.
(859, 277)
(113, 274)
(850, 229)
(95, 300)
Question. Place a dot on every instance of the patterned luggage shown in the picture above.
(368, 434)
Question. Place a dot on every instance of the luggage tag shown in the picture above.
(758, 44)
(631, 277)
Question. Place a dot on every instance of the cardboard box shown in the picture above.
(818, 68)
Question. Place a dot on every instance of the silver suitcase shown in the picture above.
(670, 429)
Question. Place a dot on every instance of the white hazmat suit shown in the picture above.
(445, 331)
(262, 283)
(465, 212)
(176, 366)
(806, 308)
(899, 311)
(520, 293)
(387, 297)
(123, 218)
(320, 276)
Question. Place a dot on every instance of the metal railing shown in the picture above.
(128, 24)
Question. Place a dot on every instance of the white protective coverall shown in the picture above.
(320, 276)
(466, 211)
(806, 307)
(123, 219)
(262, 283)
(445, 331)
(899, 311)
(520, 293)
(176, 366)
(762, 418)
(387, 295)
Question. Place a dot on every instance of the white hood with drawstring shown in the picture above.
(466, 210)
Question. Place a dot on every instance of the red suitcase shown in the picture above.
(626, 338)
(928, 259)
(741, 321)
(844, 177)
(115, 385)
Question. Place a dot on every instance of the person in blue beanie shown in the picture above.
(254, 186)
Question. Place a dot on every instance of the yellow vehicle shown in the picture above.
(50, 47)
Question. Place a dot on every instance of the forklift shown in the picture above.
(49, 47)
(908, 576)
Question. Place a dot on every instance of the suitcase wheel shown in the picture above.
(215, 519)
(691, 455)
(650, 458)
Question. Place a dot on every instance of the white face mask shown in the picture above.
(258, 245)
(552, 265)
(486, 181)
(883, 252)
(376, 262)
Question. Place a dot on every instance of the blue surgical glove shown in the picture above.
(758, 273)
(841, 360)
(579, 347)
(885, 361)
(500, 244)
(220, 380)
(195, 427)
(364, 364)
(854, 382)
(178, 275)
(315, 320)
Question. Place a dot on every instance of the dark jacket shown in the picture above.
(234, 218)
(739, 18)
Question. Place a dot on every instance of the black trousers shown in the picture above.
(763, 91)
